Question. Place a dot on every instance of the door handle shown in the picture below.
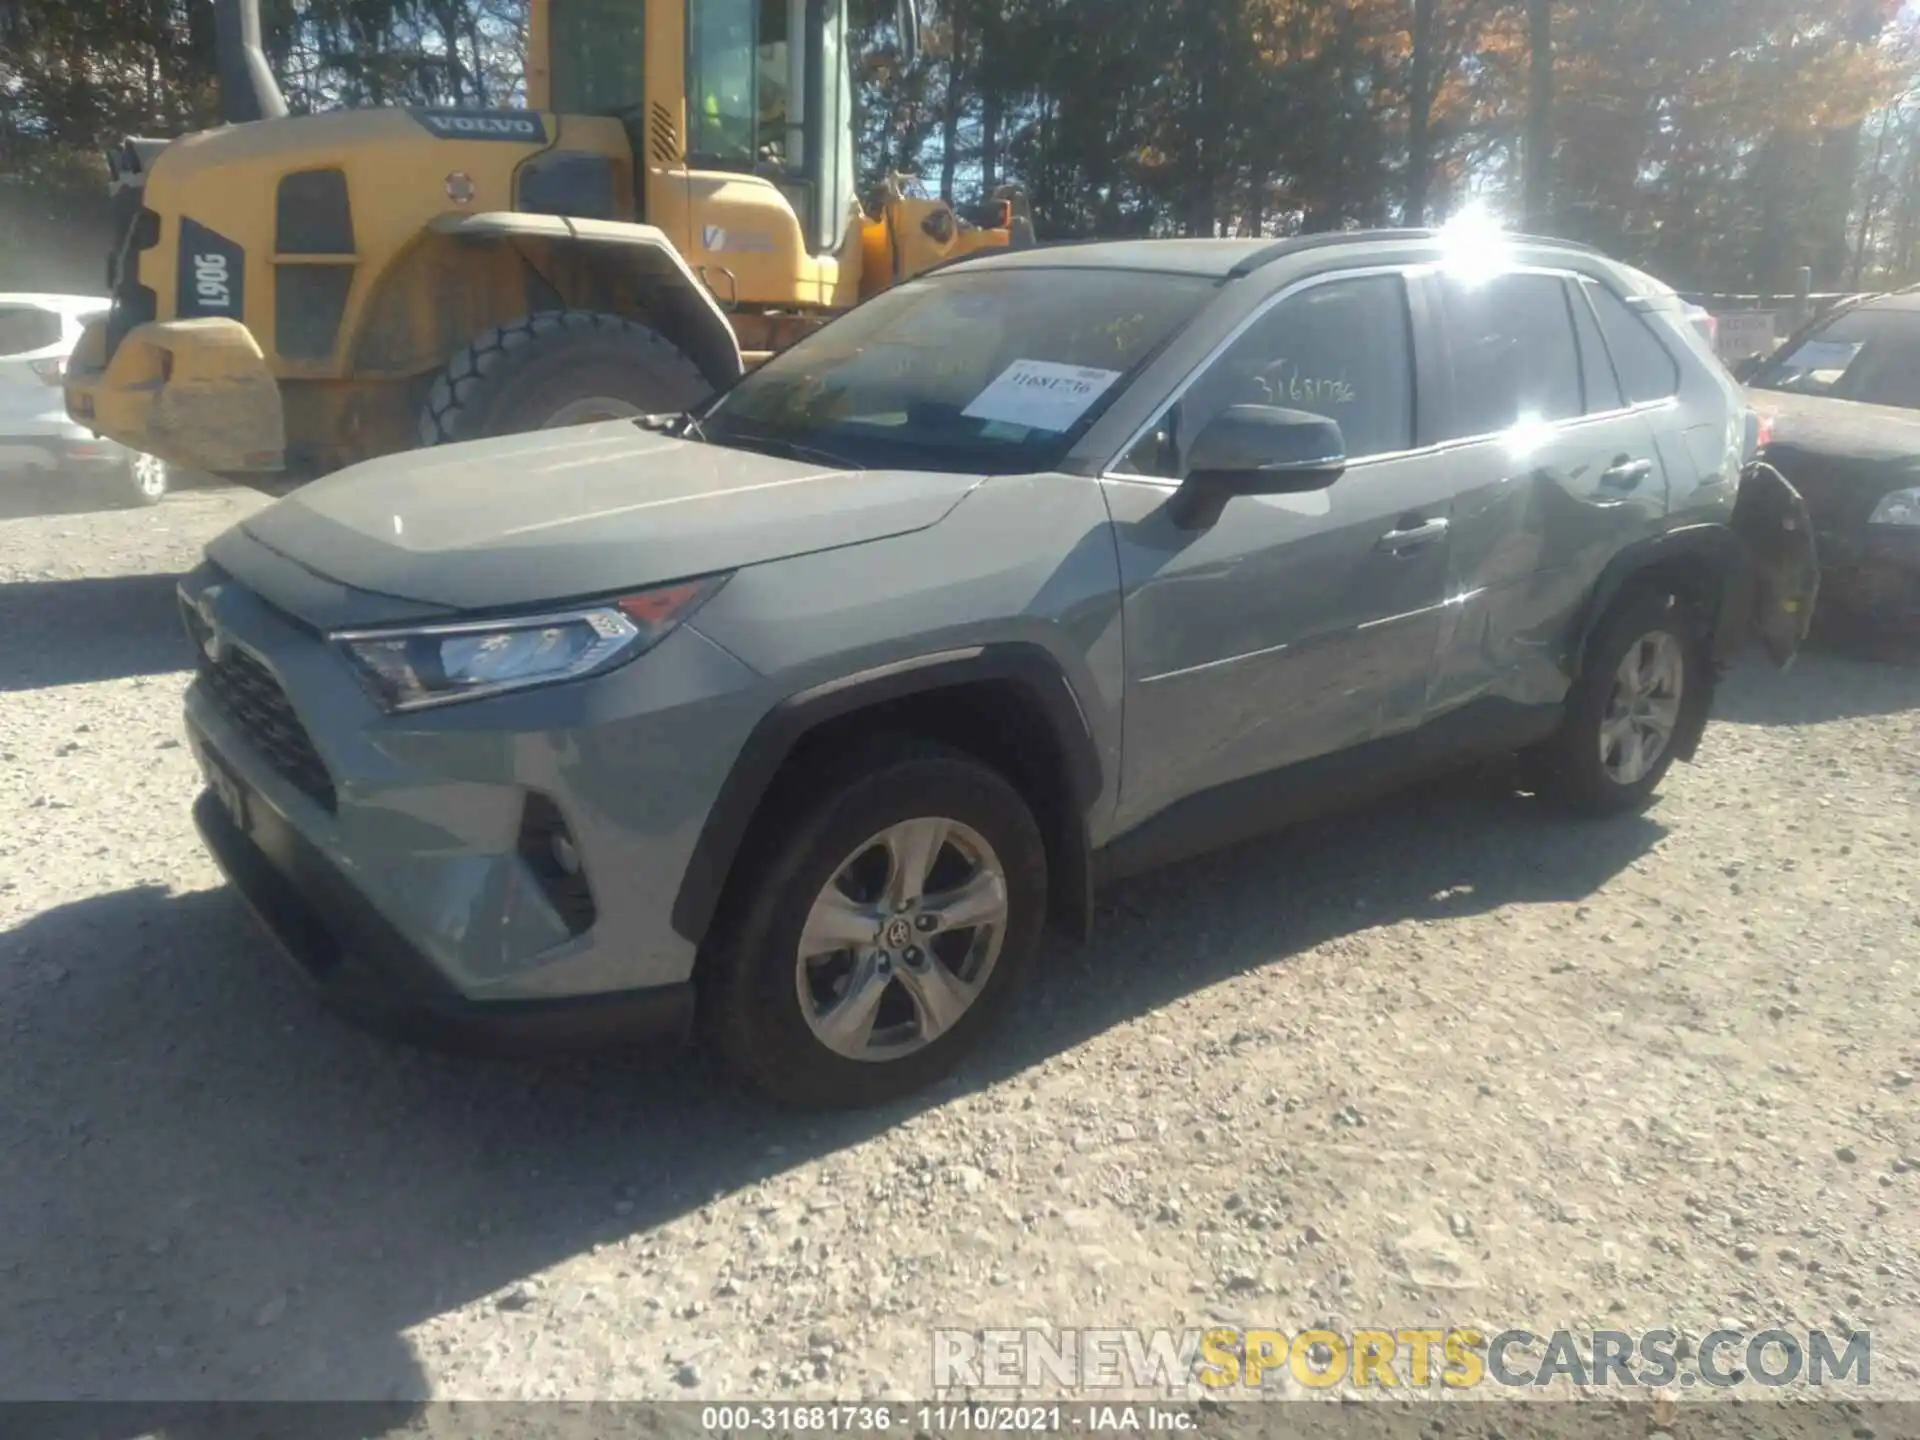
(1627, 474)
(1398, 542)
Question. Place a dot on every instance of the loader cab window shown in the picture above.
(770, 92)
(599, 56)
(745, 72)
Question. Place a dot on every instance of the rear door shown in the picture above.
(1557, 470)
(33, 351)
(1692, 436)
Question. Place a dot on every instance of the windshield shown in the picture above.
(987, 371)
(1871, 356)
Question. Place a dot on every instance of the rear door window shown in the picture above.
(1515, 355)
(25, 329)
(1604, 393)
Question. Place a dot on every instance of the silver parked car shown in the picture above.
(802, 717)
(38, 334)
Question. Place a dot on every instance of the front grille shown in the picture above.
(246, 694)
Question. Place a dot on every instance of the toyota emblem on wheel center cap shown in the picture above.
(898, 934)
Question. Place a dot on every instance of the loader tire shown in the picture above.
(560, 367)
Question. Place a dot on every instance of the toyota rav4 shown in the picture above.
(796, 721)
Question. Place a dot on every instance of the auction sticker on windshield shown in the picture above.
(1041, 395)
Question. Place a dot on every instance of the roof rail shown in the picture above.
(1279, 249)
(1300, 244)
(1579, 247)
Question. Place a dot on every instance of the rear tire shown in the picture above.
(561, 367)
(781, 1008)
(1645, 671)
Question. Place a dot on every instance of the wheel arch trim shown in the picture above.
(784, 727)
(1718, 550)
(1716, 547)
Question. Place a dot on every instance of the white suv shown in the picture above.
(38, 334)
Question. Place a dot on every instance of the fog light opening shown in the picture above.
(552, 855)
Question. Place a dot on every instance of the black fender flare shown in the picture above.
(789, 722)
(1715, 547)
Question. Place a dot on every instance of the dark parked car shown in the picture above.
(803, 715)
(1842, 399)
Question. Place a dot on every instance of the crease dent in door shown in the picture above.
(1529, 542)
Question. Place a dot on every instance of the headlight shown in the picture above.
(1902, 507)
(425, 665)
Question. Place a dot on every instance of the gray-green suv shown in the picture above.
(801, 717)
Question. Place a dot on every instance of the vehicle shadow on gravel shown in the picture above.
(210, 1189)
(26, 499)
(1821, 687)
(76, 632)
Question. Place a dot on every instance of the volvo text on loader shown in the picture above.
(292, 294)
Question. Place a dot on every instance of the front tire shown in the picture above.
(146, 480)
(1644, 675)
(873, 942)
(562, 367)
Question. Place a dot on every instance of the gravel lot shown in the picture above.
(1444, 1062)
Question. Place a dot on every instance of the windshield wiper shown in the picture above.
(780, 448)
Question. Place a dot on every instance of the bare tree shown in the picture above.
(1538, 158)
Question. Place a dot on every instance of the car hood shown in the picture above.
(1841, 456)
(1840, 427)
(579, 512)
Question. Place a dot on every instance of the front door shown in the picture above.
(1294, 626)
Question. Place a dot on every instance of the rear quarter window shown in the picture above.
(27, 328)
(1646, 367)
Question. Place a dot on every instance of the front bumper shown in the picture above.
(407, 862)
(361, 967)
(197, 393)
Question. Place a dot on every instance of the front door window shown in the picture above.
(1342, 349)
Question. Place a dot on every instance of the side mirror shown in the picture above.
(907, 16)
(1745, 370)
(1257, 450)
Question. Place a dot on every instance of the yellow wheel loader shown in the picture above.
(292, 294)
